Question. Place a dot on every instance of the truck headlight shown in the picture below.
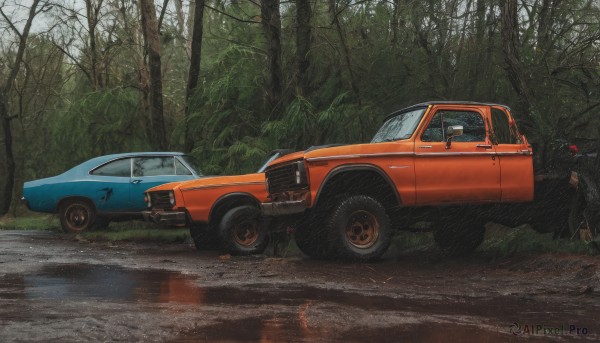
(300, 174)
(172, 198)
(148, 199)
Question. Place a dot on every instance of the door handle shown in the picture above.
(485, 146)
(136, 181)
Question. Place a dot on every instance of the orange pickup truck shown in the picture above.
(221, 212)
(444, 159)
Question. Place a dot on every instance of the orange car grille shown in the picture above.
(160, 200)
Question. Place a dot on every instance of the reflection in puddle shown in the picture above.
(83, 281)
(267, 312)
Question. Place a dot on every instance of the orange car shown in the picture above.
(436, 156)
(222, 211)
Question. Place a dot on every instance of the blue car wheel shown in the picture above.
(76, 216)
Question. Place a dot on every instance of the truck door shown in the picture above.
(467, 170)
(514, 155)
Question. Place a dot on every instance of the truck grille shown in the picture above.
(160, 200)
(283, 179)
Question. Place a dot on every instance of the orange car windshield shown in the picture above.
(400, 126)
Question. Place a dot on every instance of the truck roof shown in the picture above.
(443, 102)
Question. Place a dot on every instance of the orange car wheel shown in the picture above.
(243, 232)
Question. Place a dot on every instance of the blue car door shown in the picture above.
(109, 188)
(150, 171)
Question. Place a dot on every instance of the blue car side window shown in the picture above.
(121, 168)
(153, 166)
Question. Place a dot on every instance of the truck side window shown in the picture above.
(472, 123)
(502, 131)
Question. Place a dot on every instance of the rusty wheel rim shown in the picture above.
(77, 217)
(246, 233)
(362, 230)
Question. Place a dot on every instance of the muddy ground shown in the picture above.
(57, 288)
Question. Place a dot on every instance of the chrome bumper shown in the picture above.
(165, 218)
(283, 208)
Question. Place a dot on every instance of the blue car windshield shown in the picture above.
(401, 126)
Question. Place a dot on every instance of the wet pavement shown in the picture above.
(55, 288)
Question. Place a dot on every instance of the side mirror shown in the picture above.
(451, 132)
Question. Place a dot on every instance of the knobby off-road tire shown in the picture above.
(359, 229)
(76, 215)
(243, 232)
(205, 237)
(311, 236)
(459, 236)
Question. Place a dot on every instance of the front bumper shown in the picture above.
(165, 217)
(283, 208)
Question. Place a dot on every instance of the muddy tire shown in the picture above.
(242, 231)
(459, 237)
(205, 238)
(76, 215)
(359, 229)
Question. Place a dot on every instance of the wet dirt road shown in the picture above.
(55, 288)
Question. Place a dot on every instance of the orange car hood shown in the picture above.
(212, 181)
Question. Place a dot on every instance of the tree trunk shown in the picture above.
(5, 117)
(92, 10)
(194, 72)
(271, 23)
(513, 66)
(336, 21)
(152, 46)
(303, 43)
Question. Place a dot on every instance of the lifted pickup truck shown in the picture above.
(445, 159)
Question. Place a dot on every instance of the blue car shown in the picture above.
(106, 188)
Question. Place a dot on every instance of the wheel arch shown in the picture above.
(372, 173)
(65, 199)
(227, 202)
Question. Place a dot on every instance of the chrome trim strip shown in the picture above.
(509, 153)
(340, 157)
(398, 167)
(225, 185)
(456, 154)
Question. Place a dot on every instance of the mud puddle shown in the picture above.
(70, 282)
(288, 312)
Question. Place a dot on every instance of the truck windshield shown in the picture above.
(399, 127)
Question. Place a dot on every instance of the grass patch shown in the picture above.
(500, 242)
(408, 243)
(42, 222)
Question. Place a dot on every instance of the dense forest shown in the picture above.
(230, 80)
